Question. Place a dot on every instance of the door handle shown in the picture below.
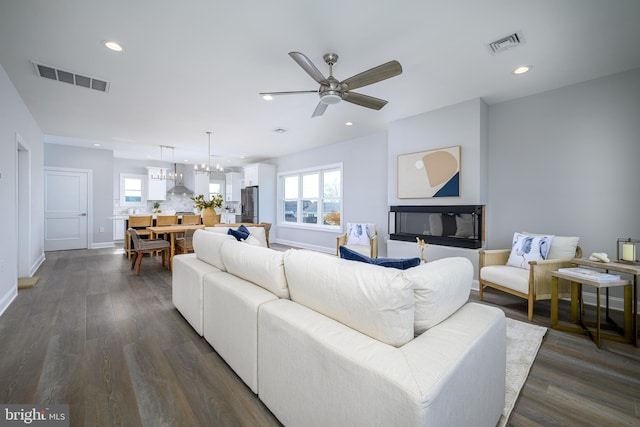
(83, 214)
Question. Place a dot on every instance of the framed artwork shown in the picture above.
(427, 174)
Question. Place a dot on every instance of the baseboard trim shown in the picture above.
(102, 245)
(36, 265)
(6, 301)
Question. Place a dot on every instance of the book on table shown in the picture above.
(587, 273)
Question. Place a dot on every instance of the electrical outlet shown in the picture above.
(102, 229)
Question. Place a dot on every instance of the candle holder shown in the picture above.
(627, 250)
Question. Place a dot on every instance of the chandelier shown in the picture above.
(208, 169)
(162, 175)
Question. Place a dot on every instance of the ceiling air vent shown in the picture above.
(506, 42)
(71, 78)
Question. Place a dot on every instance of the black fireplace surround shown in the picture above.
(461, 226)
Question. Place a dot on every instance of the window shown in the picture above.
(312, 197)
(132, 190)
(215, 188)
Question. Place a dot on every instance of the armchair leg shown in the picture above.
(133, 259)
(139, 263)
(480, 289)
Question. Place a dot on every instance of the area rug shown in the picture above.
(27, 282)
(523, 343)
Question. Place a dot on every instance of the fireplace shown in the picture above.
(460, 226)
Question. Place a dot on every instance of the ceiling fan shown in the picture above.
(332, 91)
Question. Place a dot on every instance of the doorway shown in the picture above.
(66, 208)
(23, 206)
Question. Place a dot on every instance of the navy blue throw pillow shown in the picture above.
(400, 263)
(240, 234)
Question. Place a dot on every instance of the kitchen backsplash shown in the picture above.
(174, 203)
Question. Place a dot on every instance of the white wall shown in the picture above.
(567, 162)
(364, 188)
(16, 119)
(101, 163)
(461, 124)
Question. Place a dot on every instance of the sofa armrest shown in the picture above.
(494, 257)
(341, 240)
(540, 276)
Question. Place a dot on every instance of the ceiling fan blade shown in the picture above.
(291, 92)
(364, 100)
(374, 75)
(320, 109)
(308, 66)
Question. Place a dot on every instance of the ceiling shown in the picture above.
(197, 66)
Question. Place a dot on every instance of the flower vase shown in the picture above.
(209, 217)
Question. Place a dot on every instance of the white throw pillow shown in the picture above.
(525, 248)
(440, 288)
(359, 234)
(562, 247)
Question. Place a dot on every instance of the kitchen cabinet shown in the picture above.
(156, 186)
(118, 229)
(251, 175)
(232, 187)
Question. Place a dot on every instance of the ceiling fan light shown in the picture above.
(330, 99)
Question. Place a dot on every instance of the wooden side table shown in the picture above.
(576, 313)
(619, 267)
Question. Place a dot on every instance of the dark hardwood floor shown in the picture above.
(110, 344)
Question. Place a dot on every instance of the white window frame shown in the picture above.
(300, 173)
(143, 181)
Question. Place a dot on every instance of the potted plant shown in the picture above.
(156, 207)
(210, 217)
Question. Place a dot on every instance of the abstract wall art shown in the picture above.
(427, 174)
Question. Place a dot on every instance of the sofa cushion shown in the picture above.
(440, 288)
(562, 247)
(257, 232)
(208, 246)
(399, 263)
(261, 266)
(515, 278)
(375, 301)
(240, 234)
(525, 248)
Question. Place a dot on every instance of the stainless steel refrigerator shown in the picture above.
(249, 200)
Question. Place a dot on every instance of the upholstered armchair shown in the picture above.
(361, 238)
(534, 283)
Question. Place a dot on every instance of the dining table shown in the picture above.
(172, 230)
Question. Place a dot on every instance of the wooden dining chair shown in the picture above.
(147, 246)
(194, 219)
(184, 244)
(140, 224)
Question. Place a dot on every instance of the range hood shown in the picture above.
(180, 172)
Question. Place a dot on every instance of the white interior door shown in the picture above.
(66, 210)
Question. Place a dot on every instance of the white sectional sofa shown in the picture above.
(329, 342)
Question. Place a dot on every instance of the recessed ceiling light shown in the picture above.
(96, 145)
(279, 130)
(348, 124)
(522, 69)
(267, 97)
(116, 47)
